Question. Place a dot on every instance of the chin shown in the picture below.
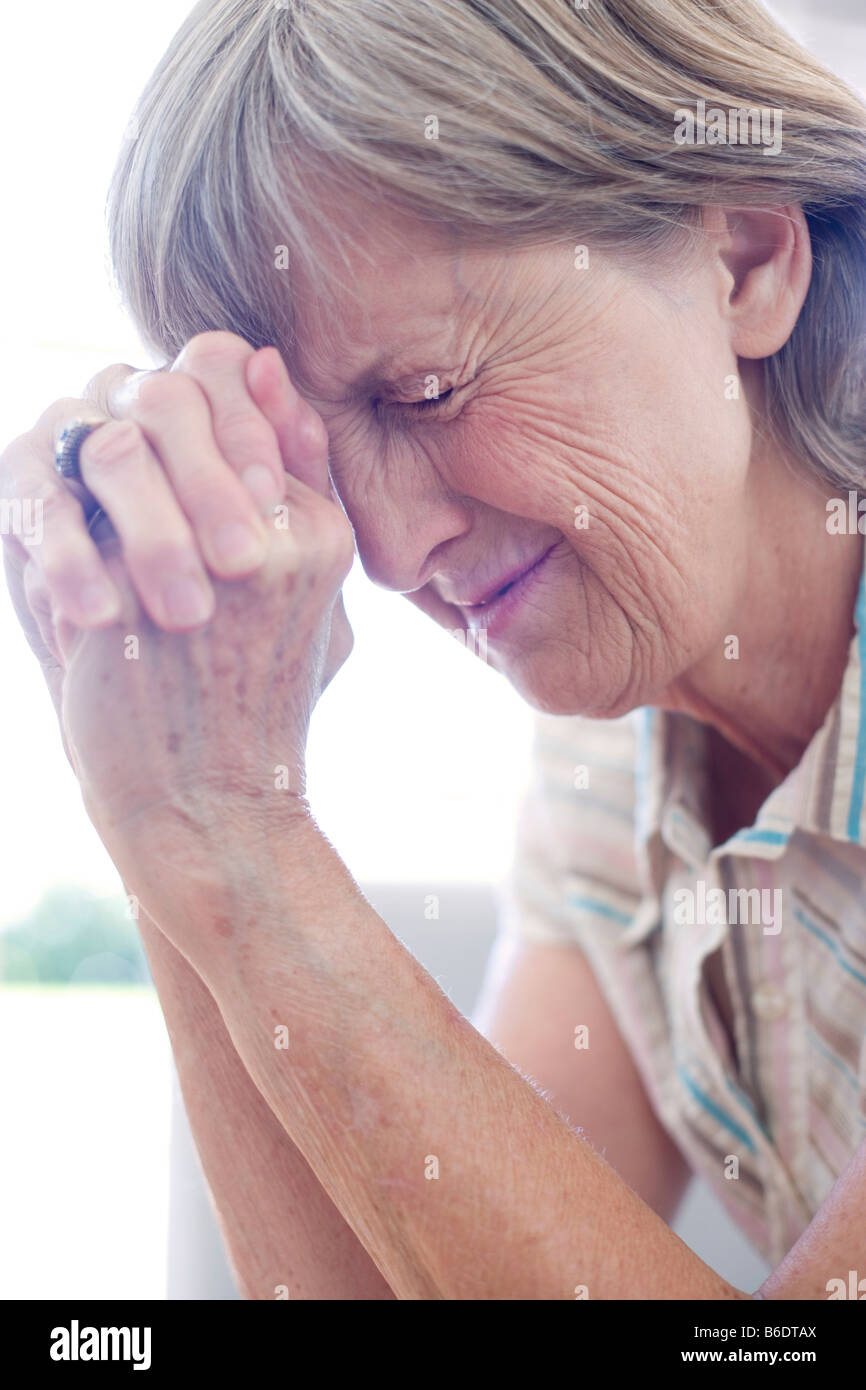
(549, 689)
(542, 688)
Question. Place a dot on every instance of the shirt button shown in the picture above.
(769, 1003)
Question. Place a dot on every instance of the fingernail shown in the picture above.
(237, 544)
(186, 600)
(99, 602)
(260, 482)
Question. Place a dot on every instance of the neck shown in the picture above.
(794, 620)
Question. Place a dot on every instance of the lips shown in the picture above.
(499, 609)
(501, 586)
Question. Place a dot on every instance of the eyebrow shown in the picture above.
(384, 367)
(350, 390)
(377, 373)
(374, 374)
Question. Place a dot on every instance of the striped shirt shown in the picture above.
(614, 854)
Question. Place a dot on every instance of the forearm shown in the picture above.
(459, 1178)
(280, 1227)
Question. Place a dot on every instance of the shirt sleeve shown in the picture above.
(574, 863)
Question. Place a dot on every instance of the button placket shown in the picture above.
(694, 1036)
(769, 1002)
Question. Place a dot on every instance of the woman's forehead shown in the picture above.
(394, 297)
(332, 362)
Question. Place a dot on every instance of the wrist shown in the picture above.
(214, 894)
(288, 925)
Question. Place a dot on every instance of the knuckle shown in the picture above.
(246, 429)
(162, 393)
(217, 346)
(116, 444)
(66, 408)
(63, 409)
(100, 386)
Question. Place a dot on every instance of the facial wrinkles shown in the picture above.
(513, 520)
(627, 540)
(513, 456)
(373, 443)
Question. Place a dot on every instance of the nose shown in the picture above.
(405, 522)
(405, 514)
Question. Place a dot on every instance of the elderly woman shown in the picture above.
(556, 313)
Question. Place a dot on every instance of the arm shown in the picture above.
(535, 994)
(279, 1226)
(383, 1076)
(459, 1179)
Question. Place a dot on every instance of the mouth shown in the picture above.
(497, 604)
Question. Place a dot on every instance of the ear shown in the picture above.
(765, 261)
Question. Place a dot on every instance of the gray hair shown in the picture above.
(555, 122)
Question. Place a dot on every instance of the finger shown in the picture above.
(60, 545)
(131, 619)
(320, 544)
(19, 477)
(300, 431)
(60, 422)
(99, 388)
(244, 437)
(174, 415)
(159, 549)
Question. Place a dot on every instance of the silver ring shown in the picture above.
(67, 459)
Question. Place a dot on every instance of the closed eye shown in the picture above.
(431, 400)
(428, 403)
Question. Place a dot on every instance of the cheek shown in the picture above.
(654, 443)
(642, 471)
(543, 456)
(680, 415)
(510, 453)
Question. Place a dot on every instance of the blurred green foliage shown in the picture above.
(73, 937)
